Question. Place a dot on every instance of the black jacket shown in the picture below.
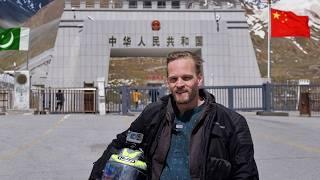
(220, 147)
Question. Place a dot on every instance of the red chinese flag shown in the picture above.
(286, 23)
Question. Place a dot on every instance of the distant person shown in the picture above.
(136, 98)
(59, 100)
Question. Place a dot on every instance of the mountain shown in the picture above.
(258, 4)
(43, 29)
(291, 58)
(15, 12)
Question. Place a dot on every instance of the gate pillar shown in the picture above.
(101, 96)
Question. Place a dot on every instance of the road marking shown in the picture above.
(37, 140)
(290, 143)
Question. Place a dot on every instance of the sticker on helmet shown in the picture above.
(134, 137)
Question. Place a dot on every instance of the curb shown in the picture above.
(266, 113)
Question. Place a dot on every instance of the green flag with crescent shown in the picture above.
(14, 39)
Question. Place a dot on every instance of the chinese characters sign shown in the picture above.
(169, 41)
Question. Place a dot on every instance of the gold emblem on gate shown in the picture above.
(21, 79)
(155, 25)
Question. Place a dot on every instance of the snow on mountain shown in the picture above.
(291, 57)
(256, 4)
(15, 12)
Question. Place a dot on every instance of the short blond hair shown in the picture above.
(186, 54)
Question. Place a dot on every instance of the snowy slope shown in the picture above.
(15, 12)
(259, 18)
(291, 57)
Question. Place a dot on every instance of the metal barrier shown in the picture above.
(267, 97)
(6, 93)
(286, 97)
(6, 99)
(113, 99)
(246, 98)
(315, 103)
(124, 99)
(142, 96)
(314, 95)
(74, 100)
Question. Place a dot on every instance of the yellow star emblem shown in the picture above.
(276, 15)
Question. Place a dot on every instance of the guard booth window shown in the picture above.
(115, 4)
(147, 4)
(161, 4)
(75, 3)
(89, 4)
(104, 4)
(133, 4)
(175, 4)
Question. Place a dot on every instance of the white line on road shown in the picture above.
(300, 146)
(35, 141)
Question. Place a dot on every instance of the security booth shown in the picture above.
(89, 98)
(304, 97)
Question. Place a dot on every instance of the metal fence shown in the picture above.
(6, 94)
(287, 97)
(284, 97)
(75, 100)
(6, 99)
(113, 99)
(268, 97)
(124, 99)
(244, 98)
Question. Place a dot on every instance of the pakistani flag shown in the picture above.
(14, 39)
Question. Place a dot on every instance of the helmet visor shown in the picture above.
(118, 171)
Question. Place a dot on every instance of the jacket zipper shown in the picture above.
(207, 132)
(202, 118)
(168, 117)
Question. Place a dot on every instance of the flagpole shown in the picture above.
(269, 41)
(28, 60)
(27, 66)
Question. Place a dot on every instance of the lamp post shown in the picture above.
(111, 2)
(74, 13)
(218, 17)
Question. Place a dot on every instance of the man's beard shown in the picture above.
(191, 96)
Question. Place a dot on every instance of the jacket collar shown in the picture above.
(168, 101)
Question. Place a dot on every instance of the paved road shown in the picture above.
(64, 146)
(286, 148)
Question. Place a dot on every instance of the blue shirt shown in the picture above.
(177, 162)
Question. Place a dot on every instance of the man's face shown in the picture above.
(183, 81)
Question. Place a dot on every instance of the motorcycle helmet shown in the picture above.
(127, 165)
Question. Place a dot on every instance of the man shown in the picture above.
(186, 134)
(60, 100)
(136, 98)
